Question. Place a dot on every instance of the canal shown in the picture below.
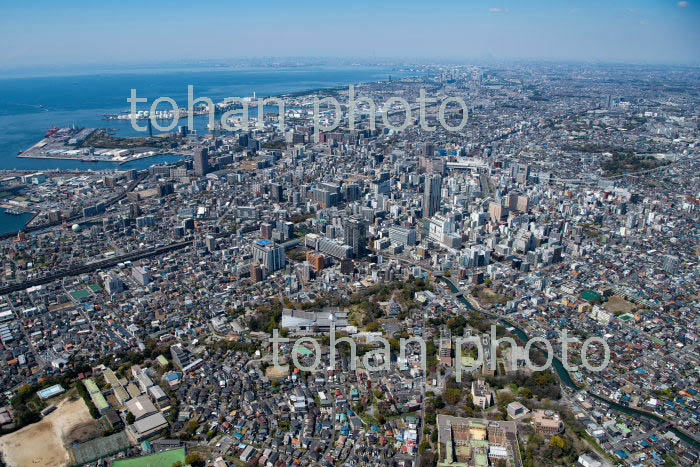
(566, 378)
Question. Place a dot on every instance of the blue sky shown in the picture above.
(42, 33)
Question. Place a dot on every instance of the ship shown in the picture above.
(52, 131)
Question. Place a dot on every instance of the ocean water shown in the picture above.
(13, 222)
(31, 105)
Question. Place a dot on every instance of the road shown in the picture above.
(108, 203)
(95, 266)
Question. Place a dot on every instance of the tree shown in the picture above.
(557, 441)
(194, 460)
(452, 395)
(130, 418)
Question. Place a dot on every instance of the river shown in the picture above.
(566, 378)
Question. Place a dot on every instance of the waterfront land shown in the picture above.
(157, 289)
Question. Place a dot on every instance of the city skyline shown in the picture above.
(97, 34)
(390, 234)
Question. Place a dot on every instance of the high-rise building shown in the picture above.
(346, 266)
(402, 236)
(140, 275)
(180, 355)
(275, 192)
(440, 226)
(355, 235)
(210, 241)
(523, 203)
(432, 195)
(523, 173)
(113, 284)
(266, 230)
(326, 197)
(201, 161)
(671, 264)
(497, 211)
(270, 255)
(305, 270)
(134, 210)
(316, 260)
(256, 272)
(328, 247)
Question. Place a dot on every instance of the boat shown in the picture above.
(14, 212)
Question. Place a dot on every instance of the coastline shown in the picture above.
(99, 159)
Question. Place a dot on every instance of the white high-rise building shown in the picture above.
(440, 226)
(269, 255)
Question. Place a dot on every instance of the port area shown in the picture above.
(16, 210)
(97, 145)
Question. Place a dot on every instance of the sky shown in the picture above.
(43, 33)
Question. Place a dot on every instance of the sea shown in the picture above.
(30, 105)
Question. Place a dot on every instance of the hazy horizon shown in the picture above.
(39, 35)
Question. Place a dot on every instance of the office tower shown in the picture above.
(113, 284)
(188, 224)
(432, 194)
(428, 149)
(346, 266)
(145, 221)
(381, 187)
(275, 192)
(134, 210)
(355, 236)
(140, 275)
(266, 230)
(329, 247)
(201, 161)
(326, 197)
(352, 192)
(497, 211)
(305, 271)
(523, 204)
(439, 226)
(269, 255)
(256, 272)
(523, 174)
(165, 189)
(316, 260)
(210, 241)
(512, 201)
(671, 264)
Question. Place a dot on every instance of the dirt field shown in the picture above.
(277, 374)
(489, 296)
(619, 305)
(41, 444)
